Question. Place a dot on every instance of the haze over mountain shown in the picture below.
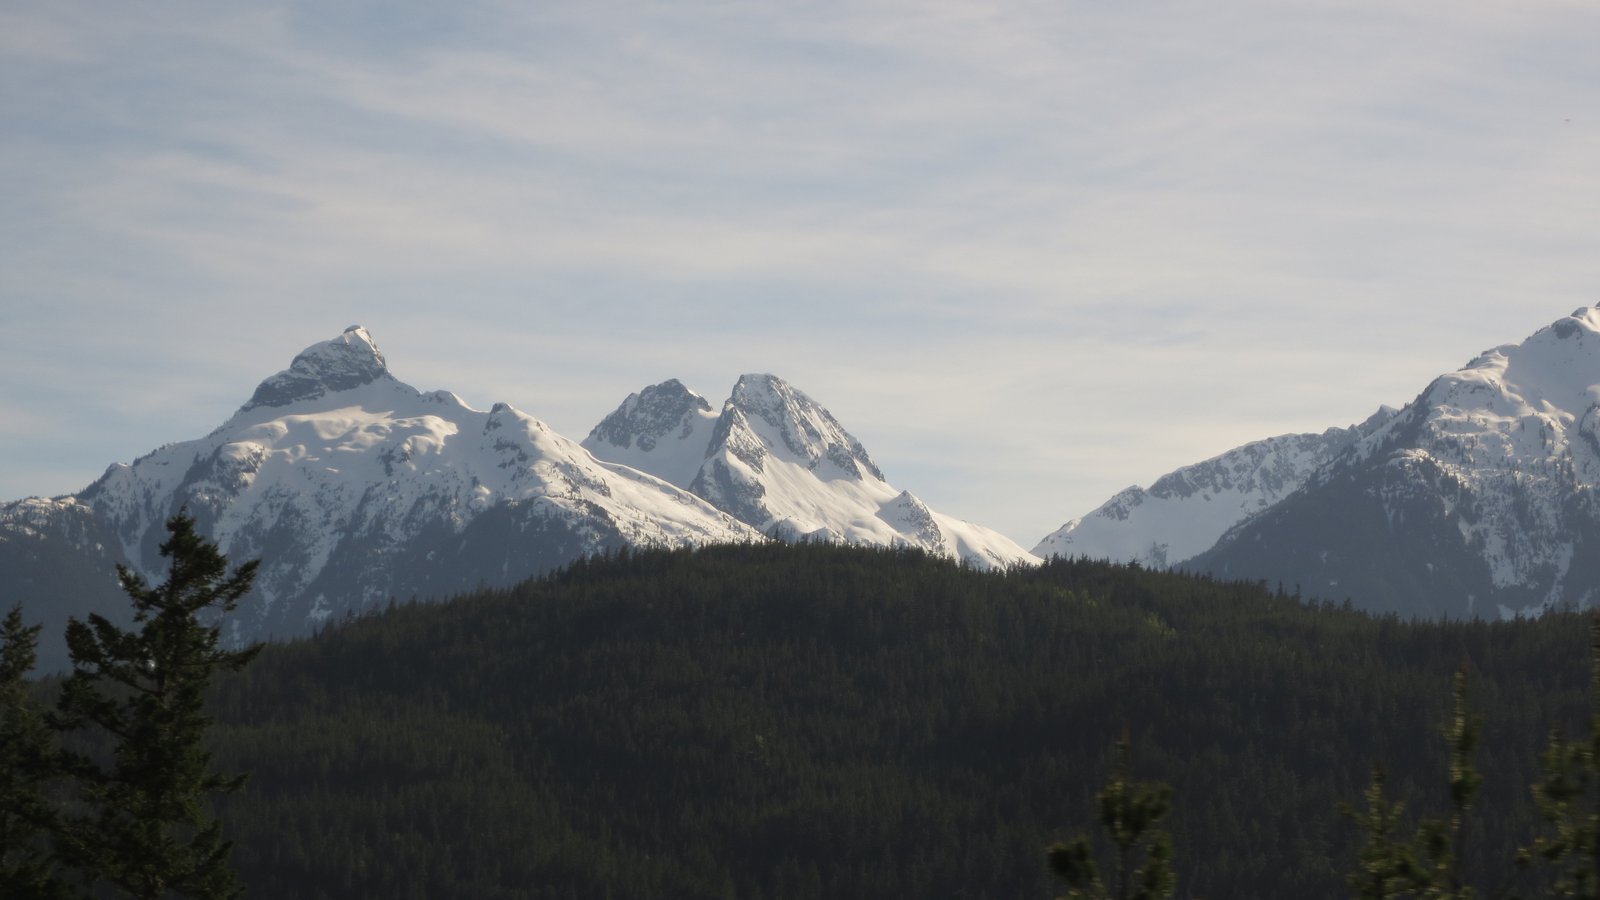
(780, 462)
(353, 488)
(1478, 498)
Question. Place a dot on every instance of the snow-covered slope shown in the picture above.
(779, 461)
(1185, 511)
(1478, 498)
(353, 487)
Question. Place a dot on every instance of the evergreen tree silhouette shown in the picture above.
(145, 825)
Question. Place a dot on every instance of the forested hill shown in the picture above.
(827, 722)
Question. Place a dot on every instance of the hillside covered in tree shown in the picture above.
(820, 721)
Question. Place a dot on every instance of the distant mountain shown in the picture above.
(1477, 499)
(353, 488)
(1186, 511)
(779, 461)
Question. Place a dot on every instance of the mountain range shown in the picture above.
(1477, 498)
(779, 461)
(354, 488)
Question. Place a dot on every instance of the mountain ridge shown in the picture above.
(1160, 526)
(1480, 497)
(354, 487)
(779, 461)
(1483, 490)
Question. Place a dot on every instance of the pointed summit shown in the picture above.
(644, 418)
(776, 460)
(800, 425)
(348, 361)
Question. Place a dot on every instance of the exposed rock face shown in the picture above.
(344, 363)
(654, 424)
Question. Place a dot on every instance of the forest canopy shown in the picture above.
(823, 721)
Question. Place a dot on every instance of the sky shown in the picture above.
(1029, 253)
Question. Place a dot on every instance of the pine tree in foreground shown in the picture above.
(27, 754)
(144, 823)
(1428, 865)
(1130, 812)
(1568, 796)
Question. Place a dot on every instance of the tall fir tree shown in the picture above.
(1130, 813)
(27, 768)
(146, 827)
(1389, 866)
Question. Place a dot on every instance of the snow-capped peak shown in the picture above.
(1555, 369)
(647, 416)
(352, 486)
(348, 361)
(777, 460)
(1477, 498)
(1515, 436)
(663, 429)
(1512, 404)
(800, 425)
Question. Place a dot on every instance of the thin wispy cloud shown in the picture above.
(1033, 252)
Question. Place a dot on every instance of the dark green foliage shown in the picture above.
(1388, 867)
(1562, 861)
(1430, 863)
(1129, 812)
(1568, 794)
(821, 721)
(27, 750)
(141, 821)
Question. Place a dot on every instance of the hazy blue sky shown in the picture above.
(1029, 253)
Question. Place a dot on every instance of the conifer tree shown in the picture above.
(27, 752)
(145, 826)
(1429, 864)
(1568, 795)
(1130, 812)
(1389, 866)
